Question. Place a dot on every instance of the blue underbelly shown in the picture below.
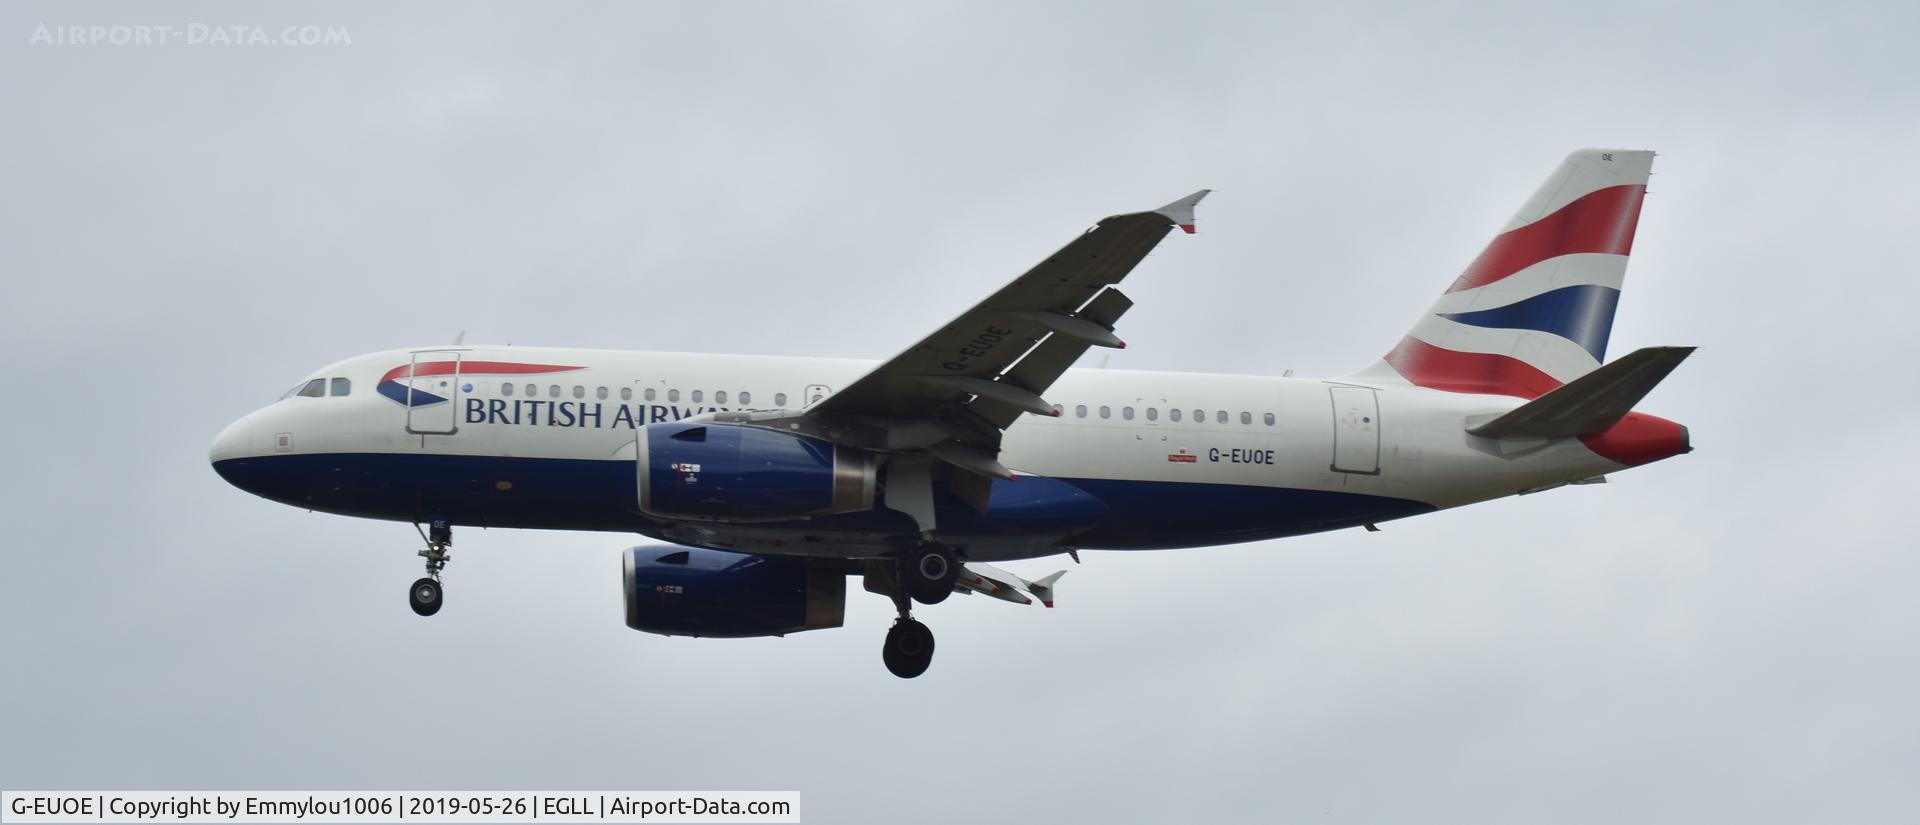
(1148, 515)
(481, 491)
(599, 495)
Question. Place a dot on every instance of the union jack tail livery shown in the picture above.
(1534, 310)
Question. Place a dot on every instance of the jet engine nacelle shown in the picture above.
(713, 593)
(731, 472)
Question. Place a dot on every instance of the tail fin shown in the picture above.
(1534, 310)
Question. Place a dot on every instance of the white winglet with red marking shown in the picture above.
(1181, 211)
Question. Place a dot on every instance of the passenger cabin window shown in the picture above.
(719, 397)
(579, 391)
(1173, 414)
(317, 388)
(341, 387)
(697, 396)
(1106, 412)
(506, 389)
(600, 394)
(780, 399)
(1199, 416)
(533, 391)
(553, 390)
(673, 395)
(626, 393)
(1080, 411)
(1126, 413)
(649, 394)
(745, 398)
(1153, 413)
(1220, 416)
(1246, 418)
(1269, 419)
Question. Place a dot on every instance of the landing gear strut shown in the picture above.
(425, 594)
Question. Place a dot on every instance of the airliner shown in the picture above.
(768, 481)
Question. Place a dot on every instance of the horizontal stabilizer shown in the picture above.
(1043, 589)
(1591, 403)
(985, 578)
(1000, 584)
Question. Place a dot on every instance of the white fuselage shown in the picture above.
(1182, 459)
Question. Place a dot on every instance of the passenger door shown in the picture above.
(433, 392)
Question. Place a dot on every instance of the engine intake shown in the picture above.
(713, 593)
(730, 472)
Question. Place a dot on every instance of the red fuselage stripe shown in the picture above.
(473, 368)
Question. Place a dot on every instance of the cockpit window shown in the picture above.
(317, 388)
(341, 386)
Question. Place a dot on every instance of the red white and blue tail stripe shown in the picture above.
(1534, 310)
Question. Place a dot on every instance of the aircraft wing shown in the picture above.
(976, 375)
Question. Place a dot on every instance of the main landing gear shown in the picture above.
(925, 574)
(425, 595)
(909, 647)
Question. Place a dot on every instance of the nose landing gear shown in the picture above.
(425, 595)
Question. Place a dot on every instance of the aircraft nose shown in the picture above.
(231, 443)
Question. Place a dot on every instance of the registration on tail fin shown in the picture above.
(1535, 309)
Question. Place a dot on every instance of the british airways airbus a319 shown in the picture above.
(773, 479)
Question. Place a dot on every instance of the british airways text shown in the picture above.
(590, 415)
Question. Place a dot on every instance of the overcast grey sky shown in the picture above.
(1727, 636)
